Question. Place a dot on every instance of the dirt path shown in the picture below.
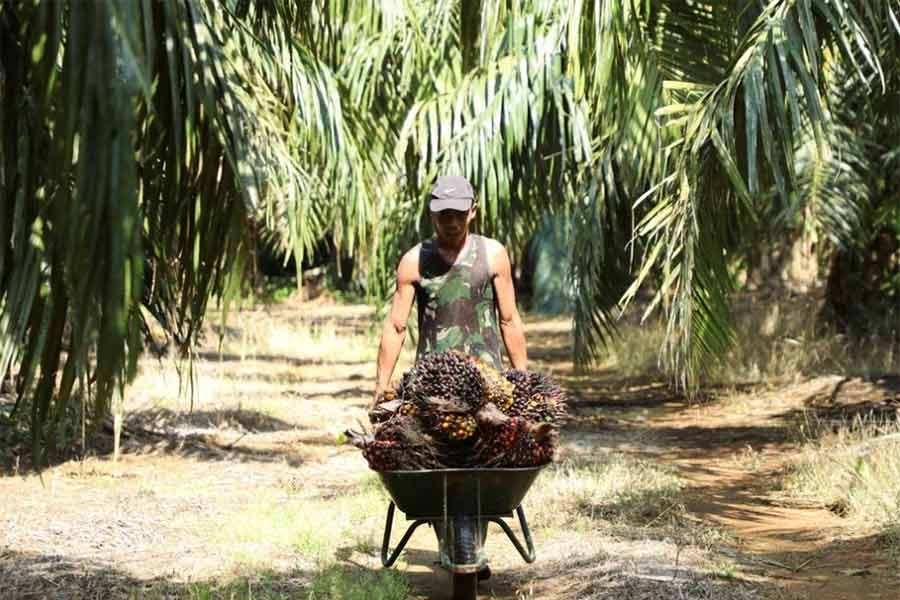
(732, 455)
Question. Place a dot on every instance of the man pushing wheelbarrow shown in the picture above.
(458, 441)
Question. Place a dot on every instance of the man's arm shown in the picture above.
(510, 322)
(393, 333)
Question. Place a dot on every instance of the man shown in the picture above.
(462, 284)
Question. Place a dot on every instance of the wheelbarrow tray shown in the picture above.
(484, 492)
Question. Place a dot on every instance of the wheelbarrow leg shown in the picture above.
(528, 555)
(386, 560)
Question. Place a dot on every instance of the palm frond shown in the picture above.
(770, 95)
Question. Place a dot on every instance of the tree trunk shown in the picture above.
(863, 288)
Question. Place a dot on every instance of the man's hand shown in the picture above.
(378, 396)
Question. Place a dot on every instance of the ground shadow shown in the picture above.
(713, 442)
(342, 394)
(24, 575)
(160, 420)
(852, 402)
(216, 357)
(200, 435)
(856, 567)
(202, 447)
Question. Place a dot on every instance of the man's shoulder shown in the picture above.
(412, 252)
(497, 256)
(493, 247)
(408, 269)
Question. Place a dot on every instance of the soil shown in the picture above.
(805, 548)
(97, 528)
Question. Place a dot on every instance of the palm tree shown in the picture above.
(674, 132)
(141, 143)
(146, 145)
(749, 96)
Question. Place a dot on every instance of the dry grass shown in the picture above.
(855, 472)
(776, 342)
(320, 341)
(616, 489)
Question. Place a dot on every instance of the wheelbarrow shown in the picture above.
(459, 504)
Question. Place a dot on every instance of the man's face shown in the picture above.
(451, 225)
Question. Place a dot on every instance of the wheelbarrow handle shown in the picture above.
(386, 542)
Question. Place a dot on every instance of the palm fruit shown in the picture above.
(521, 384)
(525, 453)
(547, 447)
(452, 410)
(527, 445)
(497, 388)
(455, 426)
(541, 384)
(408, 409)
(399, 428)
(538, 408)
(449, 375)
(532, 447)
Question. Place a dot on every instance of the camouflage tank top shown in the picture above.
(456, 303)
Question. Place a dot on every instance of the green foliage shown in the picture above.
(243, 588)
(342, 583)
(145, 147)
(141, 142)
(736, 119)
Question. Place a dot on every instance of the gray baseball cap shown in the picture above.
(451, 192)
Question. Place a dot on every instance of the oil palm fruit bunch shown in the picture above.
(494, 445)
(450, 375)
(452, 410)
(535, 397)
(407, 390)
(401, 429)
(383, 452)
(383, 411)
(497, 388)
(526, 452)
(390, 404)
(543, 385)
(398, 444)
(533, 446)
(383, 455)
(450, 419)
(538, 408)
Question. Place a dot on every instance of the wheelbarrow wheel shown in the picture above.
(464, 586)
